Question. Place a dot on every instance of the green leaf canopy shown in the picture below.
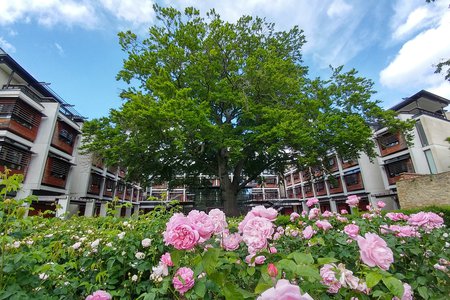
(228, 100)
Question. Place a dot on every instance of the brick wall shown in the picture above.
(416, 190)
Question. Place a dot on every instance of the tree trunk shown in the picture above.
(230, 205)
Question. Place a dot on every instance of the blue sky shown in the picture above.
(73, 44)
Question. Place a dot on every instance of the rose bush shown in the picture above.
(169, 255)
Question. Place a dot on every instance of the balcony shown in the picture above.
(348, 163)
(354, 181)
(390, 143)
(64, 137)
(56, 172)
(396, 167)
(320, 188)
(95, 183)
(109, 188)
(14, 158)
(20, 118)
(26, 90)
(308, 190)
(335, 185)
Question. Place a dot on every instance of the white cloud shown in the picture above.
(49, 12)
(60, 49)
(415, 21)
(136, 12)
(5, 45)
(338, 8)
(90, 14)
(413, 65)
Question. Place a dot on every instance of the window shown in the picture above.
(320, 186)
(430, 161)
(422, 135)
(66, 136)
(397, 168)
(331, 162)
(334, 182)
(389, 140)
(95, 181)
(59, 169)
(270, 180)
(351, 179)
(308, 188)
(109, 185)
(13, 158)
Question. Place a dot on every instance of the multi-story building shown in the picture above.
(373, 180)
(38, 134)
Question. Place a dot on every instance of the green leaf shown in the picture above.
(150, 296)
(176, 256)
(394, 285)
(200, 288)
(210, 260)
(233, 292)
(326, 260)
(308, 271)
(423, 292)
(372, 279)
(251, 271)
(302, 258)
(287, 265)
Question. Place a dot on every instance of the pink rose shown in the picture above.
(396, 216)
(284, 290)
(352, 200)
(427, 220)
(351, 230)
(381, 204)
(181, 233)
(407, 292)
(203, 224)
(219, 220)
(272, 270)
(342, 219)
(308, 232)
(99, 295)
(251, 260)
(324, 225)
(312, 201)
(183, 280)
(347, 279)
(294, 216)
(344, 212)
(231, 242)
(261, 211)
(328, 274)
(327, 214)
(313, 213)
(273, 250)
(374, 251)
(166, 259)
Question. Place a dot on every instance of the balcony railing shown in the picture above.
(27, 91)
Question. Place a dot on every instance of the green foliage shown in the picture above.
(229, 100)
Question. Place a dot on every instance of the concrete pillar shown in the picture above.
(128, 212)
(136, 211)
(63, 206)
(90, 209)
(304, 206)
(103, 209)
(118, 210)
(333, 206)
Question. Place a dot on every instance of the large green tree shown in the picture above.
(228, 100)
